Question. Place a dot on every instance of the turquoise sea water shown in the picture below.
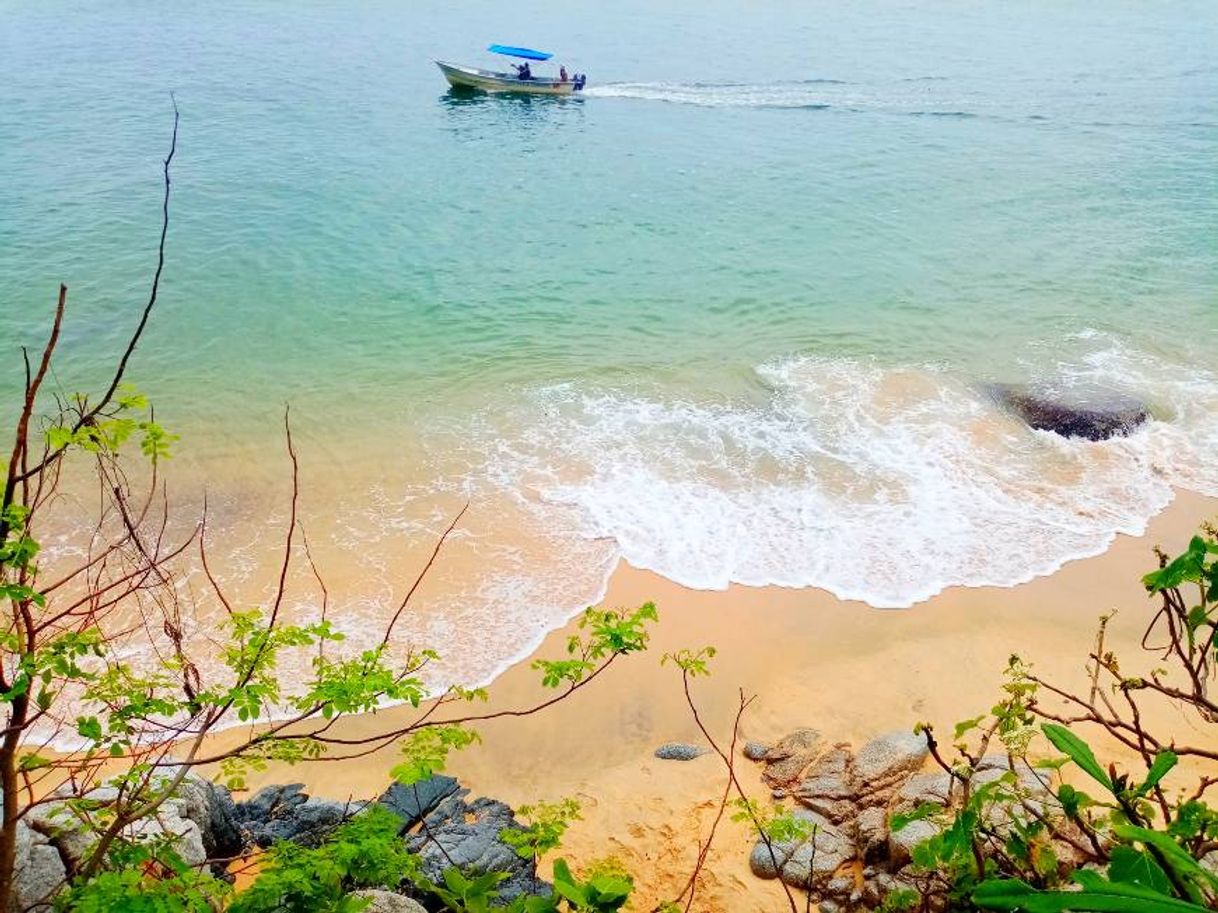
(728, 316)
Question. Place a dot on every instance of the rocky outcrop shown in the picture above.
(199, 818)
(39, 872)
(211, 807)
(1093, 414)
(438, 823)
(786, 760)
(806, 864)
(414, 802)
(54, 840)
(853, 857)
(466, 835)
(277, 813)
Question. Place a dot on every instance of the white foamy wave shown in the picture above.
(884, 485)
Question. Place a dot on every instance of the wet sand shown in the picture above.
(811, 660)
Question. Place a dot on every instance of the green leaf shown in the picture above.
(1164, 761)
(1180, 861)
(900, 821)
(1131, 866)
(966, 725)
(1098, 896)
(89, 728)
(1079, 752)
(32, 762)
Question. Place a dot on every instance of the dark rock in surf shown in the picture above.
(1095, 415)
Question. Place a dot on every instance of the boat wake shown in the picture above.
(935, 97)
(807, 94)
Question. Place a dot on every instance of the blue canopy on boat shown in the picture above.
(526, 53)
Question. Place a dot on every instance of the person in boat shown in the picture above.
(562, 74)
(523, 71)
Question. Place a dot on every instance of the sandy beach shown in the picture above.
(848, 670)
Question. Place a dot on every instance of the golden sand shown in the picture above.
(850, 671)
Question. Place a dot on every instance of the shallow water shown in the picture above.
(728, 317)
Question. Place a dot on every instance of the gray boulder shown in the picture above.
(1093, 414)
(211, 807)
(271, 800)
(466, 835)
(809, 864)
(1209, 862)
(277, 813)
(755, 751)
(38, 874)
(679, 751)
(883, 764)
(414, 802)
(871, 833)
(73, 838)
(388, 902)
(828, 786)
(785, 761)
(933, 787)
(901, 843)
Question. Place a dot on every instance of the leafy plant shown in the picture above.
(366, 852)
(1040, 844)
(142, 727)
(147, 877)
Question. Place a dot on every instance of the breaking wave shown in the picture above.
(875, 483)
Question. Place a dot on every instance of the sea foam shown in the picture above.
(877, 483)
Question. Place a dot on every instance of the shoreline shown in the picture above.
(848, 670)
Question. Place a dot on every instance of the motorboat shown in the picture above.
(522, 80)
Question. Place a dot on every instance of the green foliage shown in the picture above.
(902, 900)
(463, 894)
(425, 751)
(615, 631)
(147, 877)
(1098, 895)
(605, 892)
(604, 633)
(1198, 565)
(694, 663)
(366, 852)
(1129, 846)
(776, 823)
(1078, 751)
(130, 413)
(545, 824)
(1128, 865)
(358, 685)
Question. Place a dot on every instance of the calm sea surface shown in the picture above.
(729, 317)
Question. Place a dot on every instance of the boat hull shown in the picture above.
(474, 79)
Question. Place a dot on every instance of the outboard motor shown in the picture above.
(579, 80)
